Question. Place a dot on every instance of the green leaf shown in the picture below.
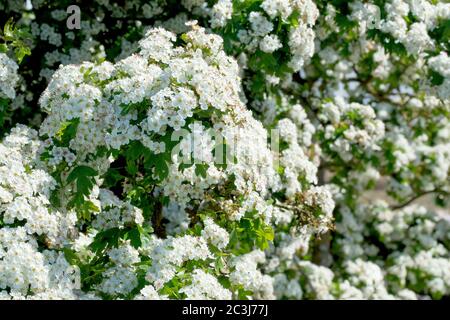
(112, 178)
(8, 29)
(160, 163)
(21, 51)
(436, 78)
(67, 132)
(71, 256)
(135, 237)
(84, 177)
(15, 37)
(81, 172)
(200, 169)
(107, 238)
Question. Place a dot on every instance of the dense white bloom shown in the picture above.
(205, 287)
(171, 253)
(215, 234)
(149, 293)
(247, 274)
(8, 77)
(319, 280)
(270, 43)
(176, 171)
(221, 12)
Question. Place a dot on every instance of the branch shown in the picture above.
(282, 206)
(400, 206)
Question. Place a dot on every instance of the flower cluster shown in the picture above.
(414, 240)
(127, 145)
(8, 77)
(27, 269)
(350, 130)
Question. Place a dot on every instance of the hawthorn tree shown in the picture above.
(225, 149)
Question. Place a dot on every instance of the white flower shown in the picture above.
(270, 43)
(8, 77)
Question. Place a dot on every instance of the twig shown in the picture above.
(400, 206)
